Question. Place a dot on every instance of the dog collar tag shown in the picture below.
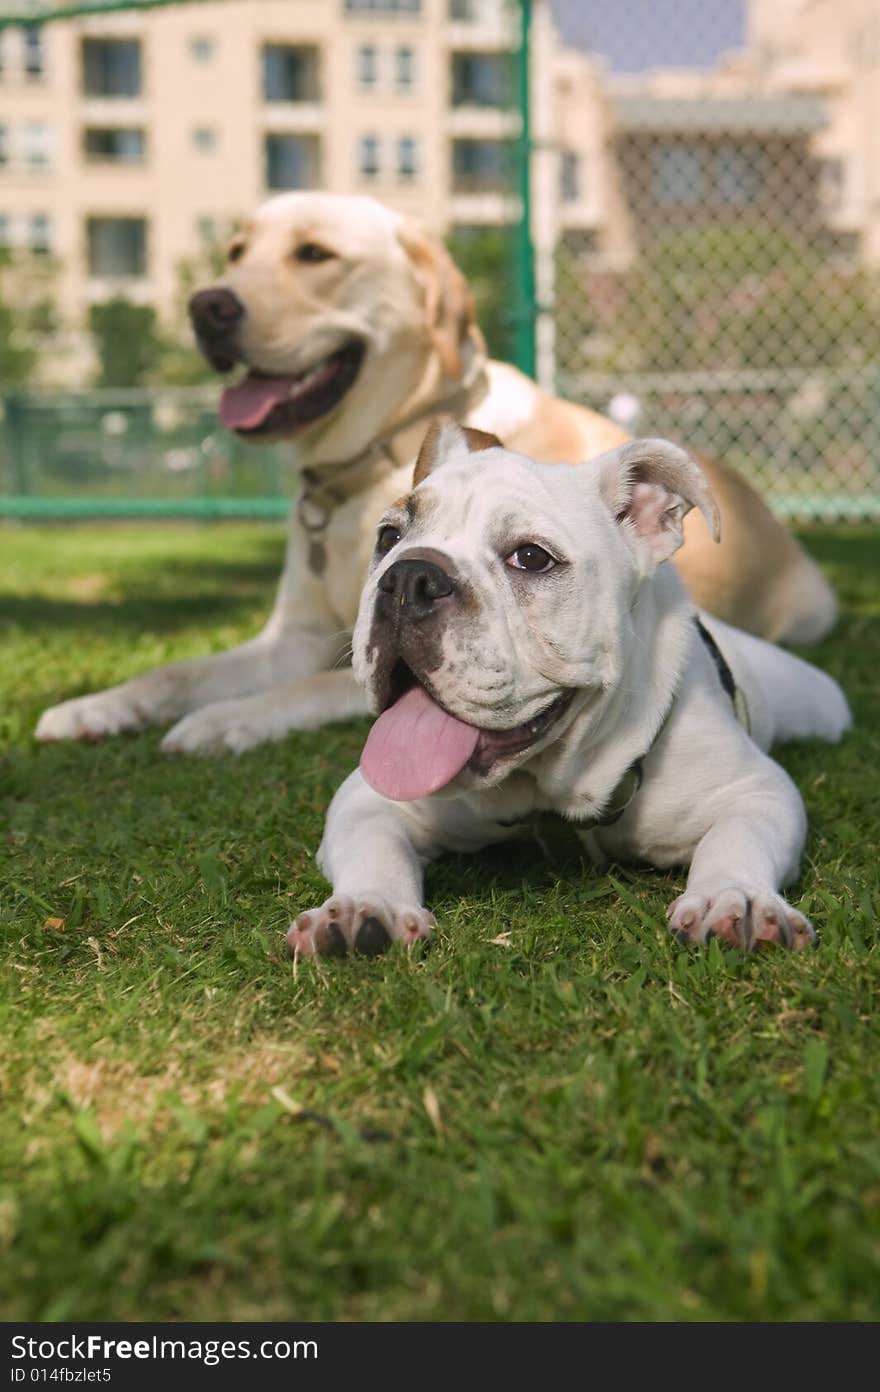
(314, 510)
(317, 555)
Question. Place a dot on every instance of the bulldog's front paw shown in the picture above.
(91, 718)
(742, 918)
(367, 925)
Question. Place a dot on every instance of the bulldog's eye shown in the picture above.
(388, 537)
(312, 253)
(531, 557)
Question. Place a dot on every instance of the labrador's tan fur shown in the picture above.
(393, 287)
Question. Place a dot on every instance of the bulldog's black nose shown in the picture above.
(411, 589)
(216, 315)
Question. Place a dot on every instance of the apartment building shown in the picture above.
(129, 141)
(785, 131)
(830, 50)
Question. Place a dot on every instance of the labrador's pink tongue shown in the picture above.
(414, 748)
(248, 404)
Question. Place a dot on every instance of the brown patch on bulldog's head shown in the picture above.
(443, 432)
(480, 439)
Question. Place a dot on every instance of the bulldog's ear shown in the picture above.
(450, 315)
(445, 437)
(650, 486)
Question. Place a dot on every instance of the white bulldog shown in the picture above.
(528, 651)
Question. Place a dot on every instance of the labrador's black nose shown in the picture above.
(411, 589)
(216, 315)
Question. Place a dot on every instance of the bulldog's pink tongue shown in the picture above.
(415, 747)
(247, 405)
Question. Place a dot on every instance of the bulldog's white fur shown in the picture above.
(387, 285)
(610, 624)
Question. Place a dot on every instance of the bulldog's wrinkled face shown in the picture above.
(497, 593)
(499, 601)
(329, 304)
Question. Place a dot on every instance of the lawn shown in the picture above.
(555, 1113)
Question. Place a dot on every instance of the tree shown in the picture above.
(16, 357)
(25, 308)
(126, 340)
(485, 256)
(742, 296)
(181, 364)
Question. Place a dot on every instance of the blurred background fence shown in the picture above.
(669, 210)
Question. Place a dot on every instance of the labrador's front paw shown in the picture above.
(741, 917)
(223, 727)
(368, 925)
(92, 718)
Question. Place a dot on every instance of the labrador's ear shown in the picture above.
(450, 315)
(650, 486)
(446, 437)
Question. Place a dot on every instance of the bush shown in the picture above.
(127, 342)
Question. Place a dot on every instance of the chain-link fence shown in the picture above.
(141, 453)
(700, 178)
(726, 289)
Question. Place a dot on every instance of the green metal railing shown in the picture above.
(133, 453)
(42, 13)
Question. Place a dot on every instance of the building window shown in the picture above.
(111, 67)
(464, 10)
(39, 234)
(4, 146)
(407, 157)
(290, 74)
(117, 247)
(291, 161)
(480, 166)
(404, 68)
(368, 156)
(34, 61)
(384, 7)
(201, 49)
(480, 79)
(569, 177)
(116, 144)
(832, 184)
(678, 175)
(367, 67)
(738, 174)
(204, 140)
(35, 141)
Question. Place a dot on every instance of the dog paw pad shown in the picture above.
(741, 918)
(372, 938)
(330, 940)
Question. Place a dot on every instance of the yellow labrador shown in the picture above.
(354, 328)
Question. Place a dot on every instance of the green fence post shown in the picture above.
(13, 408)
(524, 253)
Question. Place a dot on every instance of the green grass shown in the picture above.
(553, 1114)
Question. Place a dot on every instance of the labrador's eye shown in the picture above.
(312, 253)
(388, 536)
(530, 556)
(235, 252)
